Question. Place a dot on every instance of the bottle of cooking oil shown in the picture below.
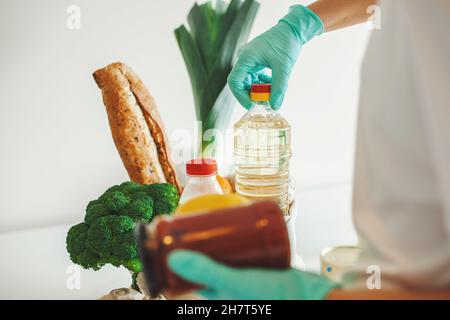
(262, 151)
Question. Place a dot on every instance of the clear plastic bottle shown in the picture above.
(262, 151)
(202, 179)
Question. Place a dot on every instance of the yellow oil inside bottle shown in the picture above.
(261, 155)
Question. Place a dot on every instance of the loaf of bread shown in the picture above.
(136, 126)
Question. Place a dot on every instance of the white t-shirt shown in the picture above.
(402, 171)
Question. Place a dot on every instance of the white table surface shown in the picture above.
(35, 264)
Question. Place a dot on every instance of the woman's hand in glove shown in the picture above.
(223, 282)
(276, 49)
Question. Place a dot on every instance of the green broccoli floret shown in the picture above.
(165, 197)
(113, 188)
(130, 187)
(95, 211)
(112, 238)
(140, 209)
(79, 252)
(91, 203)
(107, 235)
(109, 239)
(114, 200)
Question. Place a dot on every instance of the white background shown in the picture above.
(56, 149)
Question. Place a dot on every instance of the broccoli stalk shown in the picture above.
(134, 284)
(107, 234)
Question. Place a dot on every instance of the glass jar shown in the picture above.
(202, 179)
(248, 236)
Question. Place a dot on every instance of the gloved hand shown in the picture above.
(223, 282)
(277, 49)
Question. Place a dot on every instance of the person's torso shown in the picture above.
(399, 211)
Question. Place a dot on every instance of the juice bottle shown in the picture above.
(202, 175)
(262, 151)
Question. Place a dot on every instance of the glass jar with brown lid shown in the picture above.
(254, 235)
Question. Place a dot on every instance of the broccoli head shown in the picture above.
(107, 234)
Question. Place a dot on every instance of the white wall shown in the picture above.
(56, 148)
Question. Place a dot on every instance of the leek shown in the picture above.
(209, 48)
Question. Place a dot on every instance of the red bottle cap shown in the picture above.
(260, 88)
(201, 167)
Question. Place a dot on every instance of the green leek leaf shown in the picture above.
(196, 70)
(209, 49)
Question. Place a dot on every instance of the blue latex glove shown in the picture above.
(223, 282)
(277, 49)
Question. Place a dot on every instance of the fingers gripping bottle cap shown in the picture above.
(260, 92)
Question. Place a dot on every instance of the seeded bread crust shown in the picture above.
(136, 126)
